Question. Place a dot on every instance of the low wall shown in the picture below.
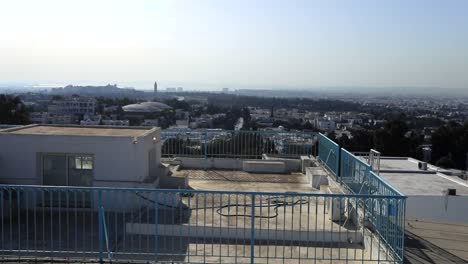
(241, 233)
(449, 209)
(292, 165)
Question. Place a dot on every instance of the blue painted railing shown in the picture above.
(236, 143)
(358, 177)
(329, 153)
(157, 225)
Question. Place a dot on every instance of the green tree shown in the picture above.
(13, 111)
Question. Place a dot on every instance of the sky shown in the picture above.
(238, 44)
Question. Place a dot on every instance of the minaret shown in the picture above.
(155, 87)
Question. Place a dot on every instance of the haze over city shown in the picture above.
(412, 46)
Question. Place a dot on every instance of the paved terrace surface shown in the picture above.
(309, 215)
(78, 131)
(224, 180)
(433, 243)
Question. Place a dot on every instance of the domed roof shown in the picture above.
(146, 107)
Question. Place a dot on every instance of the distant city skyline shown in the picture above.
(356, 45)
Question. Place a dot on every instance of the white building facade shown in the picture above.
(80, 156)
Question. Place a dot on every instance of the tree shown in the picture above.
(451, 141)
(13, 111)
(445, 162)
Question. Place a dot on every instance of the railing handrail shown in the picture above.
(387, 184)
(239, 131)
(370, 171)
(65, 188)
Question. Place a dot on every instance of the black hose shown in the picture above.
(270, 202)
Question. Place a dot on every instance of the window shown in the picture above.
(67, 169)
(83, 162)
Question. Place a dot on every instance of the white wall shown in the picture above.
(450, 209)
(116, 159)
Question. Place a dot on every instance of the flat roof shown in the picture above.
(424, 183)
(51, 130)
(405, 175)
(435, 242)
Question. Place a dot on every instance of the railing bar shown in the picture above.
(2, 201)
(300, 227)
(212, 223)
(220, 226)
(75, 199)
(156, 224)
(315, 231)
(51, 204)
(35, 220)
(252, 236)
(292, 222)
(67, 204)
(84, 223)
(118, 202)
(308, 228)
(268, 226)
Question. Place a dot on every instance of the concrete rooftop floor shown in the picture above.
(224, 180)
(432, 242)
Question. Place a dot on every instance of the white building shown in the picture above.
(90, 120)
(433, 194)
(111, 122)
(326, 125)
(74, 105)
(38, 117)
(80, 156)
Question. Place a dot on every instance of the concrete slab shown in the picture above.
(78, 131)
(424, 184)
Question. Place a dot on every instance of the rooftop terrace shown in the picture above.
(230, 196)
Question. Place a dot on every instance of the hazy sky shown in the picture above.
(239, 43)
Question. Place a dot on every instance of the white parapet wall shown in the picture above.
(263, 166)
(288, 165)
(441, 208)
(219, 232)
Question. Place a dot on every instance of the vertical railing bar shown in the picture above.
(26, 200)
(35, 220)
(51, 196)
(156, 224)
(100, 227)
(315, 231)
(252, 235)
(67, 198)
(189, 214)
(59, 200)
(2, 201)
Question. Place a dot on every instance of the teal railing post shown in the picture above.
(252, 231)
(338, 160)
(206, 144)
(100, 219)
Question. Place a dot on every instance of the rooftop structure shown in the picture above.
(80, 156)
(215, 196)
(146, 107)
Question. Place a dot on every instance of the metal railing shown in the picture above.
(329, 154)
(77, 223)
(236, 144)
(358, 177)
